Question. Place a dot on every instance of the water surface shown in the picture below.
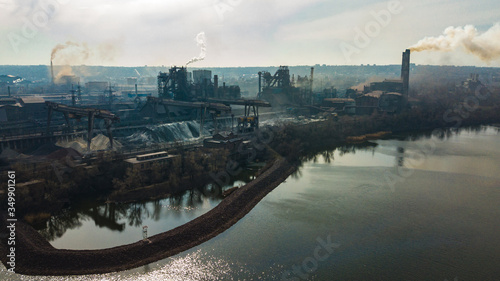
(411, 208)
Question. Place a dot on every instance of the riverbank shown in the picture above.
(35, 255)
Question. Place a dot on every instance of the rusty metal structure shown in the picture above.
(280, 90)
(174, 84)
(281, 79)
(214, 109)
(247, 122)
(78, 113)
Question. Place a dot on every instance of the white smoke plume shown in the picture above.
(485, 45)
(201, 41)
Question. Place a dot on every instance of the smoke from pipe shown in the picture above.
(485, 45)
(83, 49)
(201, 41)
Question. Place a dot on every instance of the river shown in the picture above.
(419, 207)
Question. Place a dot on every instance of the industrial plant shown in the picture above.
(66, 109)
(154, 133)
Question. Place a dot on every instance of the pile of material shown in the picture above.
(99, 142)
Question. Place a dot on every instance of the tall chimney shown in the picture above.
(52, 72)
(216, 86)
(73, 98)
(405, 73)
(260, 85)
(312, 78)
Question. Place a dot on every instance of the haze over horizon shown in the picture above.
(231, 33)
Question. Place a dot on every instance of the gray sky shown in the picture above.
(237, 32)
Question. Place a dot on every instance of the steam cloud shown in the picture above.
(486, 46)
(201, 41)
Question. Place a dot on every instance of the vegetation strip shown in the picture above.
(35, 255)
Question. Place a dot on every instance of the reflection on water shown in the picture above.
(441, 222)
(95, 225)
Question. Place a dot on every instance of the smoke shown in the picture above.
(66, 70)
(81, 48)
(76, 53)
(361, 86)
(485, 46)
(201, 41)
(67, 54)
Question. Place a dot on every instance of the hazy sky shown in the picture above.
(237, 32)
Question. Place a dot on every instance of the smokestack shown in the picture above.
(8, 90)
(312, 78)
(260, 85)
(79, 92)
(216, 86)
(405, 72)
(52, 71)
(73, 98)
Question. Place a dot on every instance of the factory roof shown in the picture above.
(12, 104)
(10, 78)
(4, 101)
(393, 80)
(394, 93)
(337, 100)
(151, 157)
(378, 94)
(32, 100)
(375, 94)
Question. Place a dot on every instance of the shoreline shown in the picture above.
(35, 255)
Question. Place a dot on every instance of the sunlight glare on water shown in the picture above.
(195, 266)
(441, 217)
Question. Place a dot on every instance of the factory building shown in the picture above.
(472, 83)
(10, 110)
(388, 96)
(34, 108)
(131, 81)
(385, 86)
(25, 108)
(96, 86)
(176, 84)
(344, 106)
(146, 161)
(202, 76)
(67, 80)
(10, 79)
